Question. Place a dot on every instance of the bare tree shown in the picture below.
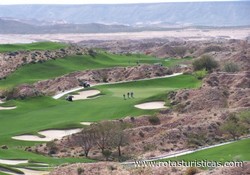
(105, 135)
(104, 131)
(86, 139)
(120, 138)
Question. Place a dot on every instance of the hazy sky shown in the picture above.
(95, 1)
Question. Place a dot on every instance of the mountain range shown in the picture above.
(121, 17)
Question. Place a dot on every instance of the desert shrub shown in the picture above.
(9, 94)
(132, 119)
(92, 53)
(181, 51)
(52, 147)
(24, 59)
(106, 153)
(104, 77)
(245, 117)
(174, 169)
(52, 152)
(212, 49)
(80, 171)
(205, 62)
(233, 126)
(180, 107)
(112, 168)
(154, 120)
(149, 147)
(170, 71)
(200, 74)
(196, 139)
(191, 171)
(40, 61)
(141, 134)
(231, 67)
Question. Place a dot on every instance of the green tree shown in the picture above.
(205, 62)
(181, 51)
(231, 67)
(233, 127)
(106, 153)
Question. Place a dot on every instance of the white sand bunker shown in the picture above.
(86, 123)
(12, 162)
(85, 94)
(151, 105)
(49, 135)
(7, 108)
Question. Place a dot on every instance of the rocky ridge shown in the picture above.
(10, 61)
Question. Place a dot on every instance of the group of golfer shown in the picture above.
(129, 95)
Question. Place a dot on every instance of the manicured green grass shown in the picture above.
(31, 46)
(231, 152)
(5, 167)
(32, 115)
(1, 173)
(169, 62)
(31, 73)
(16, 154)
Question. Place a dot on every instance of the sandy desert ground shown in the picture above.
(188, 34)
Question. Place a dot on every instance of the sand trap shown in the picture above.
(12, 162)
(33, 172)
(7, 108)
(151, 105)
(85, 94)
(49, 135)
(86, 123)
